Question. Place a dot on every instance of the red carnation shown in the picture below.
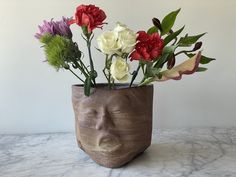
(148, 48)
(90, 16)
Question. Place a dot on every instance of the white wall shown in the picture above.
(35, 98)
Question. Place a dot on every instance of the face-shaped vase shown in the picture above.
(113, 126)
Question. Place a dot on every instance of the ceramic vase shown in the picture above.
(113, 126)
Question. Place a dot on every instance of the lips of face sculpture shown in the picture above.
(112, 127)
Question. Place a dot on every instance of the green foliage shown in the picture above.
(204, 59)
(154, 71)
(168, 56)
(168, 22)
(201, 69)
(146, 81)
(189, 40)
(169, 49)
(161, 60)
(63, 53)
(152, 30)
(172, 36)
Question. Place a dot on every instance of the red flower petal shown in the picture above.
(135, 56)
(149, 47)
(90, 16)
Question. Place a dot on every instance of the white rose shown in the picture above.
(127, 40)
(107, 42)
(120, 70)
(126, 37)
(120, 27)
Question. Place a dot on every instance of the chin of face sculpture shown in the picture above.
(113, 126)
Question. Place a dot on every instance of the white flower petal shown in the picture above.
(120, 70)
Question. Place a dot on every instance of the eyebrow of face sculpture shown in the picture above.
(115, 103)
(120, 103)
(118, 98)
(91, 111)
(88, 102)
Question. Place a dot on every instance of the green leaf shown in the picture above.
(168, 22)
(152, 30)
(204, 59)
(201, 69)
(189, 40)
(172, 36)
(142, 66)
(146, 81)
(155, 71)
(161, 60)
(169, 49)
(87, 86)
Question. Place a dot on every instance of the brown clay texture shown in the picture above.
(113, 126)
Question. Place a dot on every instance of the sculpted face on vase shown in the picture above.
(110, 126)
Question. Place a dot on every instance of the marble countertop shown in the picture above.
(174, 153)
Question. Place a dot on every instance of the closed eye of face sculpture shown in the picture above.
(109, 125)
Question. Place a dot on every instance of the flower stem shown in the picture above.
(81, 69)
(104, 72)
(113, 84)
(83, 66)
(184, 51)
(134, 75)
(91, 60)
(79, 63)
(76, 75)
(108, 76)
(144, 78)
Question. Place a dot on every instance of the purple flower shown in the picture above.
(61, 28)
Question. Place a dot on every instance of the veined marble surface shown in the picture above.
(173, 153)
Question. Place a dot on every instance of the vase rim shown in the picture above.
(118, 86)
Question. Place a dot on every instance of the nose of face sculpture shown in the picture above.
(107, 140)
(104, 121)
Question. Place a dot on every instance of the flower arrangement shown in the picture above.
(155, 50)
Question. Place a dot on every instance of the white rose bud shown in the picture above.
(120, 70)
(107, 42)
